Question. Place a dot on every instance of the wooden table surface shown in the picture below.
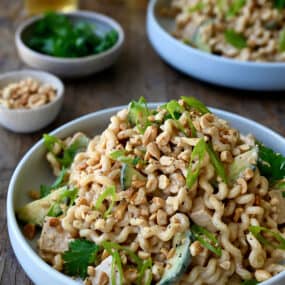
(138, 72)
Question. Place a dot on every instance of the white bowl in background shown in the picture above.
(71, 67)
(31, 120)
(212, 68)
(34, 164)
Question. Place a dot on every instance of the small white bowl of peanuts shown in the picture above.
(29, 100)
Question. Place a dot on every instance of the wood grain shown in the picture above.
(138, 72)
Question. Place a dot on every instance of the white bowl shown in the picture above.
(72, 67)
(31, 120)
(208, 67)
(34, 165)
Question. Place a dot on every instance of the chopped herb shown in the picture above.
(271, 164)
(218, 165)
(222, 6)
(174, 109)
(109, 192)
(256, 231)
(280, 185)
(56, 35)
(66, 156)
(50, 141)
(196, 104)
(198, 153)
(249, 282)
(279, 4)
(67, 197)
(197, 7)
(207, 239)
(59, 182)
(79, 256)
(235, 39)
(69, 153)
(281, 41)
(120, 155)
(283, 194)
(235, 8)
(138, 114)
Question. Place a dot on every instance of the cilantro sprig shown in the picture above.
(271, 164)
(80, 254)
(235, 39)
(56, 35)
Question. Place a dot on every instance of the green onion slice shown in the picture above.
(257, 230)
(109, 191)
(196, 104)
(207, 239)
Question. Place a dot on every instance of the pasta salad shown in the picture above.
(242, 29)
(172, 195)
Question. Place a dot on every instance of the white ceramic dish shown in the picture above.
(34, 165)
(72, 67)
(31, 120)
(208, 67)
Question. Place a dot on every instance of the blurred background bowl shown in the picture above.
(31, 120)
(259, 76)
(71, 67)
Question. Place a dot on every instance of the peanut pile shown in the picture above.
(28, 93)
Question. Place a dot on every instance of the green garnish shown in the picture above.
(219, 167)
(249, 282)
(235, 8)
(235, 39)
(196, 104)
(120, 155)
(197, 7)
(257, 230)
(67, 197)
(279, 4)
(198, 152)
(67, 154)
(271, 164)
(109, 192)
(114, 248)
(138, 114)
(79, 256)
(207, 239)
(56, 35)
(59, 182)
(281, 41)
(147, 264)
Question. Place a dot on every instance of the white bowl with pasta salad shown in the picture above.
(171, 193)
(238, 44)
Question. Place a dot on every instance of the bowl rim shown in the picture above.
(33, 74)
(13, 225)
(250, 64)
(82, 14)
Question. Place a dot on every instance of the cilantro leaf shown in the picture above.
(235, 39)
(56, 35)
(279, 4)
(271, 164)
(60, 181)
(235, 8)
(69, 153)
(79, 256)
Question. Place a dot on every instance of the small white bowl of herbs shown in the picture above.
(74, 44)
